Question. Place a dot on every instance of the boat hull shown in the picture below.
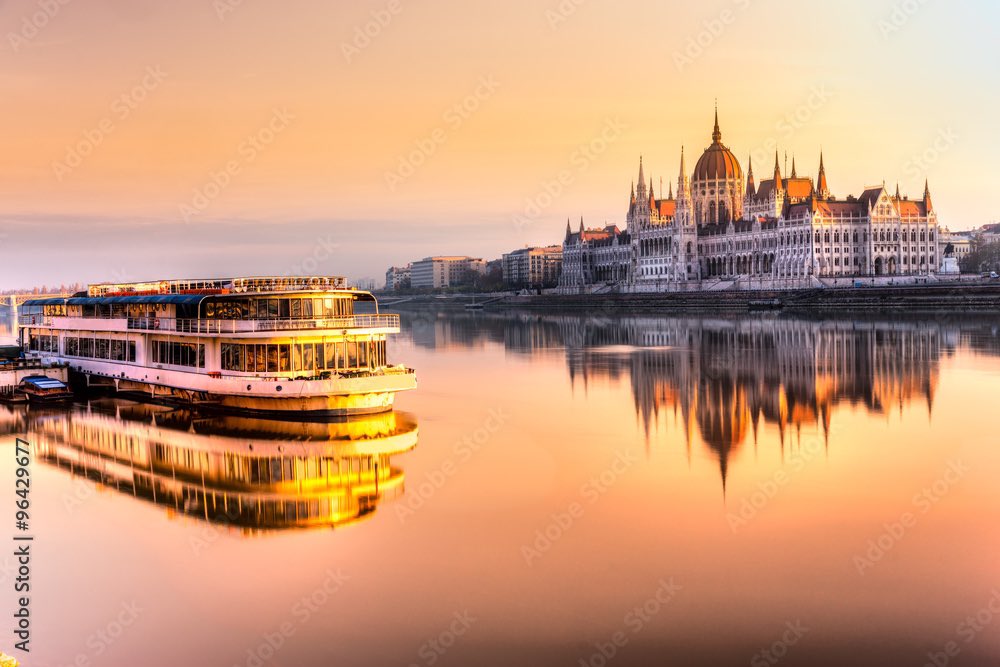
(332, 397)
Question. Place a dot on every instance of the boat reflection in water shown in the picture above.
(247, 473)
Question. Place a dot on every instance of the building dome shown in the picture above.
(717, 163)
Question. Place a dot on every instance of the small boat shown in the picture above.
(474, 306)
(42, 389)
(765, 304)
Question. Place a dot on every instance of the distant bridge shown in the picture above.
(13, 301)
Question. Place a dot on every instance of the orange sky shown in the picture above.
(147, 138)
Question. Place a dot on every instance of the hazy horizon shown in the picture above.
(233, 137)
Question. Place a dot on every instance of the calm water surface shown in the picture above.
(560, 490)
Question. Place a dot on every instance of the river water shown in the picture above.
(559, 490)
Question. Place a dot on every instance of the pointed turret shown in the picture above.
(652, 195)
(794, 175)
(778, 183)
(632, 196)
(927, 196)
(751, 186)
(682, 179)
(641, 192)
(824, 190)
(671, 196)
(568, 232)
(898, 197)
(581, 224)
(717, 133)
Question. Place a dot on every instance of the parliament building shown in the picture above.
(724, 230)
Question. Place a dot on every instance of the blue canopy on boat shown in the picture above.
(43, 382)
(51, 301)
(174, 299)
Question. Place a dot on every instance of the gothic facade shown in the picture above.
(724, 230)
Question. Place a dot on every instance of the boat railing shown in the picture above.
(208, 326)
(30, 320)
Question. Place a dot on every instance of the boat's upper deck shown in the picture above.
(231, 306)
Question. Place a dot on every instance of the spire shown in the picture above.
(642, 178)
(568, 232)
(671, 196)
(717, 133)
(794, 175)
(631, 199)
(824, 190)
(927, 195)
(581, 224)
(777, 173)
(683, 184)
(751, 186)
(652, 195)
(899, 197)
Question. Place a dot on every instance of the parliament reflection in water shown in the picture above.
(245, 473)
(723, 377)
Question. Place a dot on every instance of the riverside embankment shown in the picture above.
(965, 298)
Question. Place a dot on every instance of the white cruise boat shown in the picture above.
(262, 344)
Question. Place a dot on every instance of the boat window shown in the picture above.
(308, 358)
(307, 308)
(178, 354)
(283, 308)
(296, 309)
(261, 309)
(331, 356)
(296, 358)
(272, 358)
(261, 358)
(272, 309)
(284, 362)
